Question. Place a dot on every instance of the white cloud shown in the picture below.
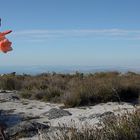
(40, 34)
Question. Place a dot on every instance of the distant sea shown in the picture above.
(36, 69)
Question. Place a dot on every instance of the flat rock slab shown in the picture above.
(24, 117)
(8, 96)
(28, 128)
(9, 119)
(55, 113)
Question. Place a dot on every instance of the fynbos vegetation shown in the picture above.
(75, 89)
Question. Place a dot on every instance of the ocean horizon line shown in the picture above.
(36, 69)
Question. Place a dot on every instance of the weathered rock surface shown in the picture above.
(8, 118)
(55, 113)
(8, 96)
(26, 128)
(25, 117)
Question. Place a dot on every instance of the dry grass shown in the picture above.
(77, 89)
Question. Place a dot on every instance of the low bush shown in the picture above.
(75, 89)
(25, 94)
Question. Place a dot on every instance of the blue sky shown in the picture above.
(72, 32)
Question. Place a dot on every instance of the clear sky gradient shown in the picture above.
(72, 32)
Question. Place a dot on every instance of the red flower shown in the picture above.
(5, 44)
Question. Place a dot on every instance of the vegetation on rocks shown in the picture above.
(126, 127)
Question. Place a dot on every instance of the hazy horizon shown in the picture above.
(38, 69)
